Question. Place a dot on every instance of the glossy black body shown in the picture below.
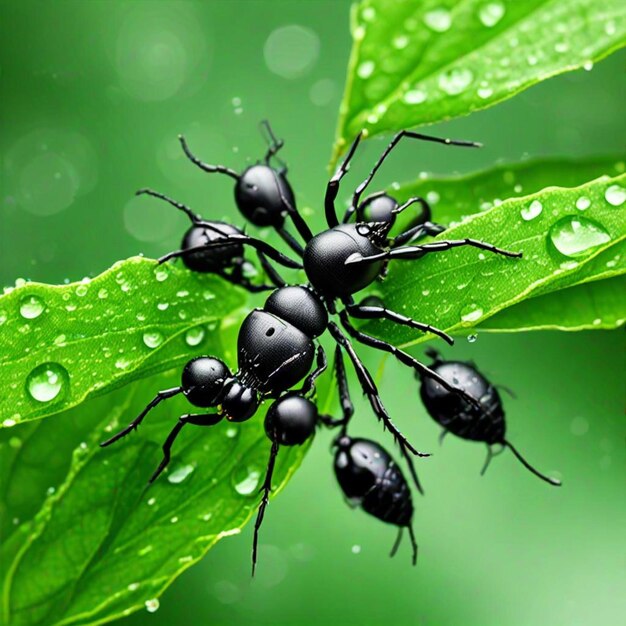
(211, 259)
(454, 413)
(203, 379)
(378, 208)
(291, 420)
(259, 198)
(325, 260)
(369, 477)
(299, 306)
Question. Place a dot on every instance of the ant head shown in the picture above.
(379, 207)
(258, 195)
(239, 403)
(203, 380)
(291, 420)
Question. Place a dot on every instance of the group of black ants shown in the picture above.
(277, 347)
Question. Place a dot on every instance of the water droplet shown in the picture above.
(456, 80)
(366, 69)
(400, 42)
(531, 211)
(615, 195)
(163, 306)
(246, 480)
(577, 236)
(432, 197)
(472, 338)
(143, 551)
(180, 474)
(368, 14)
(8, 422)
(174, 520)
(31, 307)
(47, 382)
(133, 586)
(103, 293)
(471, 313)
(153, 339)
(425, 292)
(161, 273)
(122, 363)
(232, 432)
(152, 605)
(3, 317)
(490, 14)
(588, 66)
(579, 426)
(195, 336)
(583, 203)
(485, 92)
(438, 19)
(356, 549)
(561, 46)
(151, 501)
(81, 290)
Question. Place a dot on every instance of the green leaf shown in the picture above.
(453, 198)
(598, 305)
(103, 544)
(459, 289)
(62, 344)
(415, 63)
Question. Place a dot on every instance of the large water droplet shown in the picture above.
(491, 13)
(531, 211)
(438, 19)
(179, 474)
(152, 605)
(246, 480)
(577, 236)
(415, 96)
(456, 80)
(583, 203)
(161, 273)
(471, 313)
(615, 195)
(153, 338)
(195, 336)
(47, 382)
(31, 307)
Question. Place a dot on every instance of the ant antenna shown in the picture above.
(528, 466)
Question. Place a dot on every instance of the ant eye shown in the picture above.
(269, 332)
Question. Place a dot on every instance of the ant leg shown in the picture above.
(290, 240)
(487, 460)
(161, 395)
(234, 240)
(413, 135)
(442, 435)
(413, 544)
(405, 358)
(367, 312)
(309, 382)
(273, 145)
(200, 419)
(333, 184)
(301, 226)
(275, 278)
(416, 252)
(508, 390)
(194, 217)
(417, 232)
(266, 488)
(211, 169)
(528, 466)
(347, 408)
(236, 277)
(397, 542)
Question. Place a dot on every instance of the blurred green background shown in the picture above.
(92, 96)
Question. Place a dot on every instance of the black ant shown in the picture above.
(457, 416)
(276, 343)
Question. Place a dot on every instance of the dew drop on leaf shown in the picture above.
(48, 381)
(31, 307)
(366, 69)
(472, 338)
(153, 339)
(438, 20)
(180, 474)
(456, 81)
(152, 605)
(615, 195)
(3, 317)
(531, 211)
(471, 313)
(491, 13)
(583, 203)
(103, 293)
(232, 432)
(194, 336)
(577, 236)
(485, 92)
(246, 480)
(161, 274)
